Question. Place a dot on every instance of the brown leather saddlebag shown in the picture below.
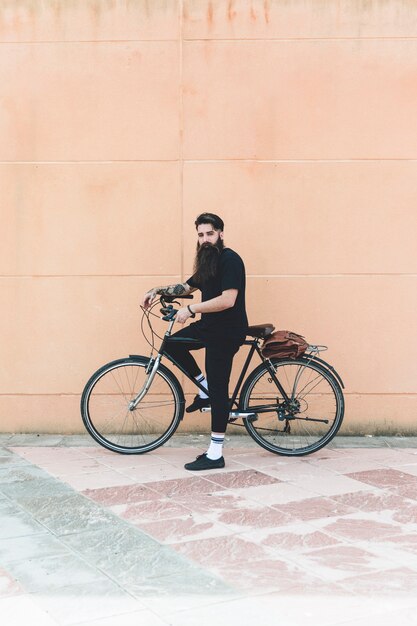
(284, 344)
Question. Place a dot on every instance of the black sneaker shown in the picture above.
(198, 403)
(202, 462)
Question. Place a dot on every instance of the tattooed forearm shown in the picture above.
(171, 290)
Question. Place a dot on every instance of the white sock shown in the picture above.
(215, 450)
(201, 379)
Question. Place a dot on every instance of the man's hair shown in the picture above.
(210, 218)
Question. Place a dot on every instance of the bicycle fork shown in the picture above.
(148, 382)
(151, 370)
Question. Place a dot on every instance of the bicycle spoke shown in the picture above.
(300, 395)
(313, 414)
(109, 418)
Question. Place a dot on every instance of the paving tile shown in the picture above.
(389, 506)
(86, 601)
(29, 547)
(358, 527)
(126, 554)
(43, 574)
(63, 467)
(154, 473)
(21, 474)
(274, 494)
(334, 563)
(191, 526)
(211, 504)
(242, 478)
(244, 519)
(343, 464)
(314, 508)
(299, 537)
(263, 461)
(221, 551)
(385, 478)
(376, 500)
(5, 453)
(186, 583)
(122, 462)
(175, 454)
(184, 486)
(408, 490)
(285, 535)
(389, 457)
(408, 468)
(124, 494)
(97, 480)
(11, 461)
(99, 451)
(406, 542)
(296, 470)
(31, 486)
(396, 581)
(150, 511)
(48, 454)
(29, 439)
(174, 594)
(332, 485)
(14, 522)
(68, 513)
(266, 575)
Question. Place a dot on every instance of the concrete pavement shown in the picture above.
(92, 537)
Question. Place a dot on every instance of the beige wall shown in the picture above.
(120, 120)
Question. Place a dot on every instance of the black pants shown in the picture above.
(218, 363)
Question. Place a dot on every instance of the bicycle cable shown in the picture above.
(146, 314)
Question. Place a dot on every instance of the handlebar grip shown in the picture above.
(172, 298)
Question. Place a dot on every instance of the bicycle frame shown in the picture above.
(154, 364)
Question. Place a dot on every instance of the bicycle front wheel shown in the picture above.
(108, 417)
(307, 421)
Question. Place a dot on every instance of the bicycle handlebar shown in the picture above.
(168, 311)
(173, 298)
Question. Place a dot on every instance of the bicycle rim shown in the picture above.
(286, 430)
(108, 419)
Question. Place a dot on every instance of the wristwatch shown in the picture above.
(191, 311)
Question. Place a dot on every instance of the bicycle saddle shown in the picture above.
(261, 331)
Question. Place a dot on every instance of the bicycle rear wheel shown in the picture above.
(105, 406)
(308, 421)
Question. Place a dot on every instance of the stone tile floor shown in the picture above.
(91, 537)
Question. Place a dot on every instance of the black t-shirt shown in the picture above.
(231, 323)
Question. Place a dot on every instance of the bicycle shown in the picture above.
(290, 407)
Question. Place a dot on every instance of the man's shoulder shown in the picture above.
(230, 255)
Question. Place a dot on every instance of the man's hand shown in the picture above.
(182, 315)
(148, 298)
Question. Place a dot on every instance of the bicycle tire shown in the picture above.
(268, 430)
(109, 421)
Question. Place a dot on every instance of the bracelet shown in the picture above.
(191, 311)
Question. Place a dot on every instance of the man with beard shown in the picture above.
(219, 273)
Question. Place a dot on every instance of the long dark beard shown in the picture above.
(206, 261)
